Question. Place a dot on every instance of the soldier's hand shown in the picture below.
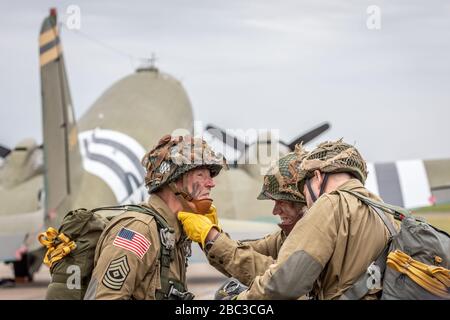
(196, 226)
(212, 215)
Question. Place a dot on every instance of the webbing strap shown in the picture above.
(165, 259)
(398, 212)
(379, 208)
(139, 208)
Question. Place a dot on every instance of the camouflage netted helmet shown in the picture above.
(175, 155)
(280, 182)
(333, 157)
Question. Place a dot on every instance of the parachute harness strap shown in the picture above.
(58, 245)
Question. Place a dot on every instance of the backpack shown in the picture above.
(414, 265)
(71, 252)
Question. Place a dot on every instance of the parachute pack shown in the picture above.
(414, 265)
(71, 251)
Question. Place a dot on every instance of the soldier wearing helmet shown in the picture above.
(329, 249)
(280, 185)
(244, 260)
(135, 257)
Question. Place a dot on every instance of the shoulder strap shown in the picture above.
(381, 209)
(138, 208)
(372, 277)
(399, 213)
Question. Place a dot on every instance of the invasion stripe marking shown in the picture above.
(48, 46)
(389, 183)
(134, 159)
(114, 157)
(50, 55)
(414, 183)
(112, 165)
(48, 36)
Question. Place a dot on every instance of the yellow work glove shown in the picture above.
(212, 215)
(196, 226)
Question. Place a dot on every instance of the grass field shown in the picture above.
(440, 220)
(438, 215)
(437, 208)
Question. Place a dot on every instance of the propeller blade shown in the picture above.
(4, 151)
(230, 140)
(309, 135)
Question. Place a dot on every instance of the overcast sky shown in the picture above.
(286, 65)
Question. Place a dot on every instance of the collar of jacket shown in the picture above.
(352, 184)
(159, 205)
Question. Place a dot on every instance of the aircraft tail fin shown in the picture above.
(61, 150)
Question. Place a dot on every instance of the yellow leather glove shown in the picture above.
(196, 226)
(212, 215)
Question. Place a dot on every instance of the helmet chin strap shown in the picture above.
(201, 206)
(322, 187)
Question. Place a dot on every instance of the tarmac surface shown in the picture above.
(203, 281)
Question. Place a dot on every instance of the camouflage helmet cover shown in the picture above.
(173, 156)
(280, 182)
(333, 157)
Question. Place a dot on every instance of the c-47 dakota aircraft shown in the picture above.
(92, 162)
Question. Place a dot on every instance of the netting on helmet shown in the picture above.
(174, 156)
(280, 182)
(333, 157)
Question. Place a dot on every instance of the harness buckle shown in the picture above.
(167, 238)
(182, 295)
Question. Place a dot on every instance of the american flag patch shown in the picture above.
(132, 241)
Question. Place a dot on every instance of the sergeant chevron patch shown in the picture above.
(116, 273)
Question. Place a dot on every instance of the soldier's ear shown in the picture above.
(318, 176)
(179, 183)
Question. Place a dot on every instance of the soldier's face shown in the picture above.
(290, 212)
(200, 183)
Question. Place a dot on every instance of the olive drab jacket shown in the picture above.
(127, 258)
(326, 251)
(244, 260)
